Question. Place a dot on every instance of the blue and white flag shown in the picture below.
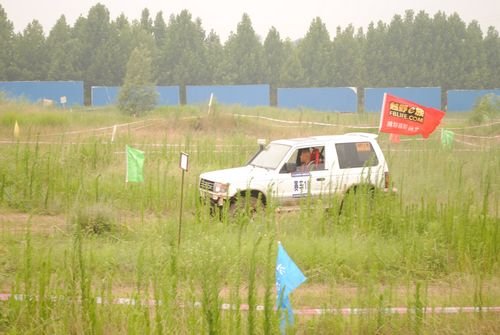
(288, 278)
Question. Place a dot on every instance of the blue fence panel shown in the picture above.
(245, 95)
(104, 95)
(108, 95)
(427, 96)
(34, 91)
(464, 100)
(168, 95)
(340, 99)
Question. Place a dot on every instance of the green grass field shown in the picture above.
(72, 230)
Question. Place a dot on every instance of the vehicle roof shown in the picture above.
(345, 138)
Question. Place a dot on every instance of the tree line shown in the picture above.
(414, 49)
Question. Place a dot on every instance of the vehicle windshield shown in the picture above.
(271, 156)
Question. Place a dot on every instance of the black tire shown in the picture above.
(249, 205)
(352, 201)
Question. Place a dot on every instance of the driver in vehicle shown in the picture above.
(305, 160)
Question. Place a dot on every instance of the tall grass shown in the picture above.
(434, 243)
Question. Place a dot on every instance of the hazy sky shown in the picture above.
(291, 18)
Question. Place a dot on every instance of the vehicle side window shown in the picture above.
(356, 155)
(305, 160)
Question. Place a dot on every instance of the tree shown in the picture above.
(6, 40)
(120, 45)
(274, 53)
(292, 73)
(374, 56)
(492, 52)
(347, 58)
(215, 59)
(420, 52)
(474, 65)
(138, 93)
(123, 38)
(396, 49)
(181, 58)
(274, 58)
(146, 21)
(448, 52)
(94, 54)
(315, 53)
(244, 55)
(30, 54)
(159, 30)
(78, 33)
(61, 48)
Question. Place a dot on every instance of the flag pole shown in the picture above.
(382, 112)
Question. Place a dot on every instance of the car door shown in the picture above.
(355, 164)
(290, 185)
(320, 175)
(296, 181)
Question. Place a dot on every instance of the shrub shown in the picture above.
(138, 93)
(96, 219)
(487, 107)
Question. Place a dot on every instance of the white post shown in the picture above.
(113, 134)
(210, 103)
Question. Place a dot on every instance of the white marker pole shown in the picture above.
(210, 103)
(113, 134)
(183, 164)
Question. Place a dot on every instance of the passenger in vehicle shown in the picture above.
(317, 159)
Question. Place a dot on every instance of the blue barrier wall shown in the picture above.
(245, 95)
(340, 99)
(168, 95)
(104, 95)
(108, 95)
(427, 96)
(464, 100)
(34, 91)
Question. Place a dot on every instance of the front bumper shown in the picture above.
(216, 199)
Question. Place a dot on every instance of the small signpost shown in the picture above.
(183, 164)
(63, 100)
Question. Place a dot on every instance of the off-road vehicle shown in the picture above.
(289, 170)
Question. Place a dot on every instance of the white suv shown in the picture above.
(288, 170)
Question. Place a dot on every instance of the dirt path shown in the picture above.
(14, 222)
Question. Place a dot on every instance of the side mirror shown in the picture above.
(262, 143)
(288, 168)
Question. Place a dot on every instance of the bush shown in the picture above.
(96, 219)
(138, 93)
(487, 107)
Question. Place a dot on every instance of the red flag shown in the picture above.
(404, 117)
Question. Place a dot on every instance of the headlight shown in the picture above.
(221, 188)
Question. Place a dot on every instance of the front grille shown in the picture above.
(207, 185)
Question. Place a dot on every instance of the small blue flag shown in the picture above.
(288, 278)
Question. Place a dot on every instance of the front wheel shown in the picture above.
(248, 205)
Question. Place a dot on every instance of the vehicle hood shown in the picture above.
(236, 176)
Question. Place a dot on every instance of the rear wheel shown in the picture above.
(357, 200)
